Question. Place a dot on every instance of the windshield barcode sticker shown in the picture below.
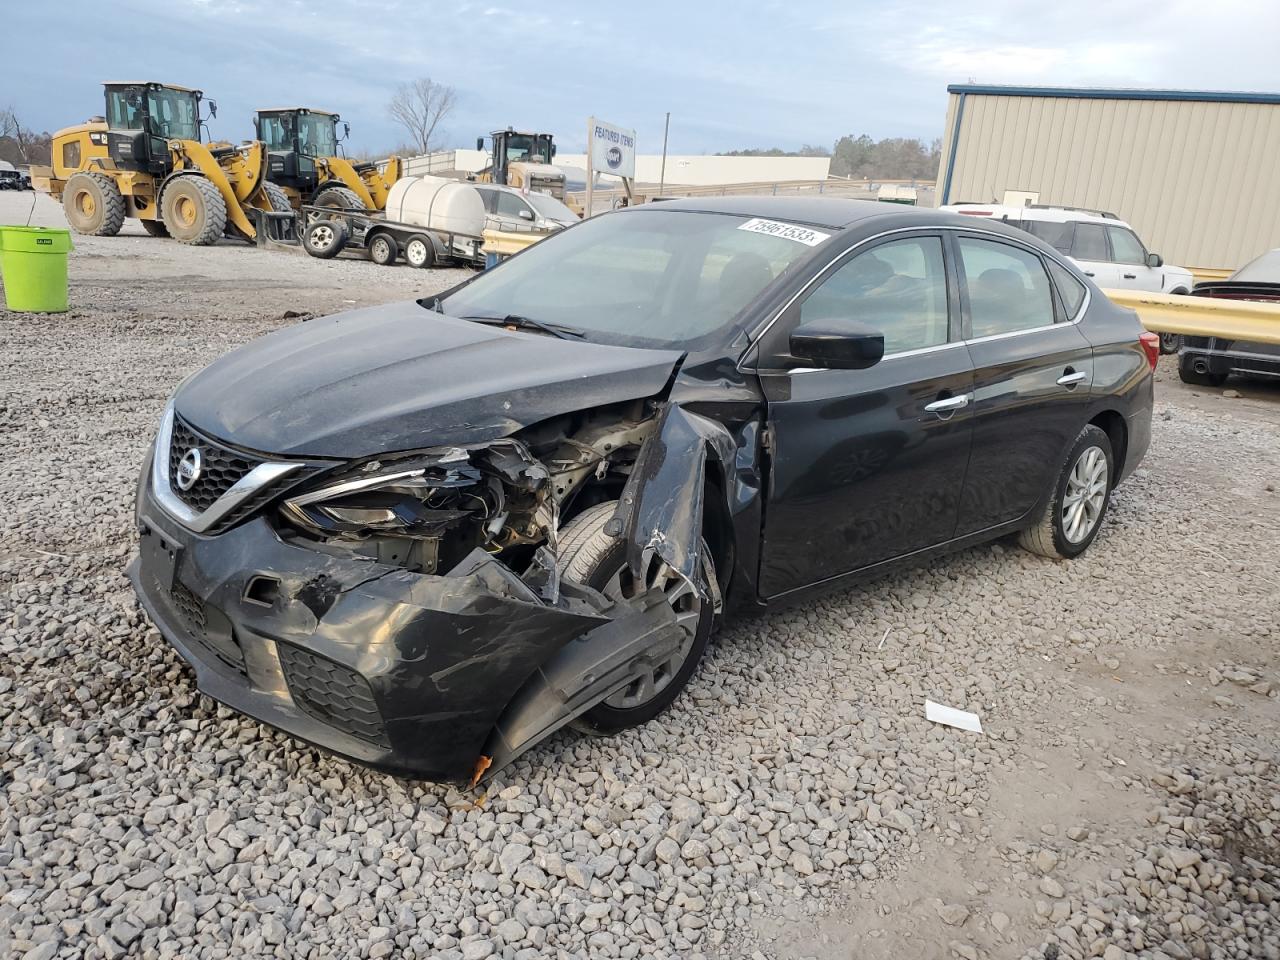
(788, 231)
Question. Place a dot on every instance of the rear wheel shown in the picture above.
(418, 251)
(383, 249)
(325, 238)
(1187, 373)
(93, 205)
(155, 228)
(193, 210)
(595, 559)
(1081, 494)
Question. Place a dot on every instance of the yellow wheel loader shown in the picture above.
(146, 160)
(523, 160)
(302, 158)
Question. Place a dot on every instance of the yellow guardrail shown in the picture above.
(1203, 316)
(503, 243)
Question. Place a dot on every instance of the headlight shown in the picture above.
(417, 498)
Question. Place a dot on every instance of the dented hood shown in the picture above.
(401, 377)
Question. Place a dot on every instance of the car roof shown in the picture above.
(1036, 212)
(834, 213)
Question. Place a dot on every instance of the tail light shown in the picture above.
(1151, 344)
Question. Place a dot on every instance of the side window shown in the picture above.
(1090, 243)
(1008, 288)
(121, 115)
(1125, 246)
(1070, 289)
(1056, 235)
(509, 205)
(898, 288)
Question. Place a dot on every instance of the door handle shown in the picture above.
(1088, 273)
(949, 404)
(1131, 276)
(1071, 378)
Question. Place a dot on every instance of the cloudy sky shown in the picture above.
(732, 74)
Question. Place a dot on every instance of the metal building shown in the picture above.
(1194, 172)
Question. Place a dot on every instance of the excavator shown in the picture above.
(145, 159)
(302, 158)
(520, 159)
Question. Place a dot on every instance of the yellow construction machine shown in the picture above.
(302, 158)
(145, 159)
(519, 159)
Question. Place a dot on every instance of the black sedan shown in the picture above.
(427, 535)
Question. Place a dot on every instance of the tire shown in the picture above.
(1187, 374)
(383, 249)
(419, 251)
(338, 198)
(276, 196)
(1090, 465)
(1170, 342)
(155, 228)
(93, 205)
(325, 238)
(591, 557)
(193, 211)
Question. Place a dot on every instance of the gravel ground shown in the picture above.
(1122, 800)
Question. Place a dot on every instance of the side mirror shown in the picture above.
(837, 345)
(1154, 260)
(553, 150)
(526, 214)
(346, 130)
(213, 108)
(479, 143)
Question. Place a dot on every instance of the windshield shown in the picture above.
(174, 114)
(643, 278)
(523, 146)
(550, 207)
(315, 135)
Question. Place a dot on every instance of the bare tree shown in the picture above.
(18, 142)
(420, 106)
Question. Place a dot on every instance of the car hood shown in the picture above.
(400, 377)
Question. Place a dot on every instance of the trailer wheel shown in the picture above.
(325, 238)
(419, 251)
(383, 249)
(193, 210)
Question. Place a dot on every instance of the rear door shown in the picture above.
(1032, 375)
(1090, 249)
(867, 465)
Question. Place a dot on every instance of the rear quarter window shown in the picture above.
(1070, 289)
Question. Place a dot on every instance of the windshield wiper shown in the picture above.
(528, 323)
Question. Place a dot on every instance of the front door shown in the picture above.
(1090, 250)
(867, 465)
(1033, 371)
(1130, 259)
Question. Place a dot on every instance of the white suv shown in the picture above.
(1103, 245)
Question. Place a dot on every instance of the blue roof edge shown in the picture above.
(1114, 93)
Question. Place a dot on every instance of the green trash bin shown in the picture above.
(33, 263)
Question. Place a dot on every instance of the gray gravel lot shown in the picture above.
(1123, 800)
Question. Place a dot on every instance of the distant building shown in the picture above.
(1193, 171)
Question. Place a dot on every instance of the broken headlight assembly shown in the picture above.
(426, 513)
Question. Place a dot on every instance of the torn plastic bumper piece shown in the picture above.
(662, 503)
(405, 672)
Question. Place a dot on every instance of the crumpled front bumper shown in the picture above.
(404, 672)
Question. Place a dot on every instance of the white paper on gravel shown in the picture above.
(952, 717)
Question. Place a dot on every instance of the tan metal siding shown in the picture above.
(1195, 178)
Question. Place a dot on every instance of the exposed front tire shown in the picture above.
(383, 249)
(593, 558)
(193, 211)
(1188, 373)
(325, 238)
(276, 197)
(338, 198)
(93, 204)
(1068, 523)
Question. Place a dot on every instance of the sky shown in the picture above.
(732, 74)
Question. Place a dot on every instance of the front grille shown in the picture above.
(220, 470)
(190, 606)
(332, 694)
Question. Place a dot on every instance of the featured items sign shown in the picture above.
(613, 149)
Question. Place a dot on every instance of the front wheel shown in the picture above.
(1081, 494)
(590, 556)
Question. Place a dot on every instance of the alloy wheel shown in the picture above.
(1086, 494)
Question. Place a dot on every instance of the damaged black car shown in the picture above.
(427, 535)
